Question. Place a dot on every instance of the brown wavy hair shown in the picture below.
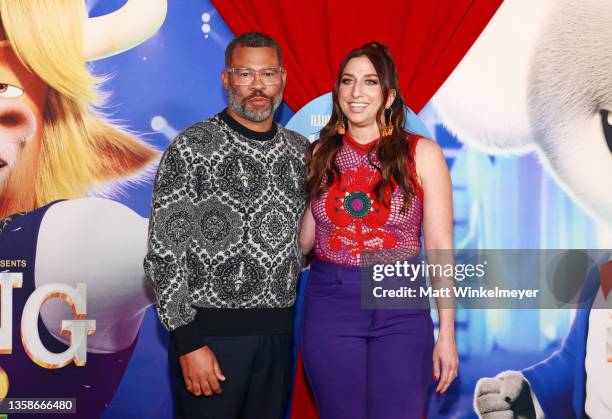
(393, 152)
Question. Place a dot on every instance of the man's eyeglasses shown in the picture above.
(245, 76)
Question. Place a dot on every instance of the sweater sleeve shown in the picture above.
(170, 225)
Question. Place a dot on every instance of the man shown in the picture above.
(224, 251)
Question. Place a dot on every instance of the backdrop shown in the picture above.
(515, 183)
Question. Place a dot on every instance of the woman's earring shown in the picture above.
(388, 130)
(340, 127)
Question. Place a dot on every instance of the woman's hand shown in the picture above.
(445, 362)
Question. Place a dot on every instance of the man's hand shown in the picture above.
(201, 372)
(506, 396)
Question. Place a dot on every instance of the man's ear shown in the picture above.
(224, 78)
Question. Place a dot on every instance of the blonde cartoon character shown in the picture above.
(55, 145)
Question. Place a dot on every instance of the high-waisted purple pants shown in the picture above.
(363, 364)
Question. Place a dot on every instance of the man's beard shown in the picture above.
(238, 104)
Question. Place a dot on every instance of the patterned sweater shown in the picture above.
(224, 252)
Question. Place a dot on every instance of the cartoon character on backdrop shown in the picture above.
(573, 382)
(55, 145)
(539, 79)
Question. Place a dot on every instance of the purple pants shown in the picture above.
(363, 364)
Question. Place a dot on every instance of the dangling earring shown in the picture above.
(340, 127)
(388, 130)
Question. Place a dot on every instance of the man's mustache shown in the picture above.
(258, 94)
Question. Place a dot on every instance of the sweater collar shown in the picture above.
(246, 132)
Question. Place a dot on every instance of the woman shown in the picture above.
(371, 186)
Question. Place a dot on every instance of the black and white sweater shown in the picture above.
(224, 252)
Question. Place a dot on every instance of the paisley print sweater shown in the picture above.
(224, 252)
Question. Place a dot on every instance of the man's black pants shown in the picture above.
(257, 372)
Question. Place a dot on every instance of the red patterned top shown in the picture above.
(350, 220)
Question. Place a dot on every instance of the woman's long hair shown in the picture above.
(393, 152)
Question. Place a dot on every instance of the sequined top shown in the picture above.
(349, 220)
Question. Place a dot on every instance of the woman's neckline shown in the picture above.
(361, 148)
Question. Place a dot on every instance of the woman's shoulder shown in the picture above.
(427, 154)
(424, 148)
(420, 143)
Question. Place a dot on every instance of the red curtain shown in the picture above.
(427, 38)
